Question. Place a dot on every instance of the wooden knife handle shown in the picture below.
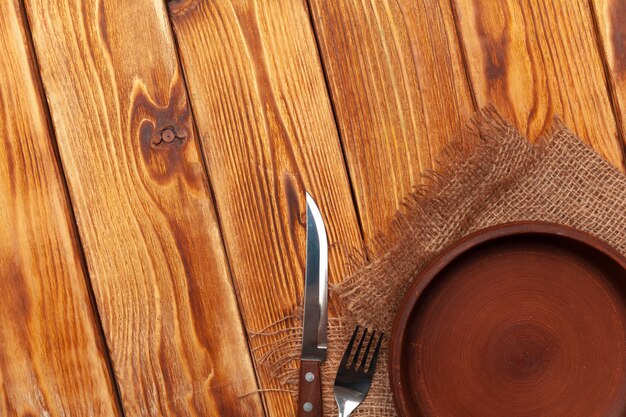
(310, 390)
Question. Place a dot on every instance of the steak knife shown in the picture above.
(314, 337)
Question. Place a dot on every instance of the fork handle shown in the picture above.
(310, 389)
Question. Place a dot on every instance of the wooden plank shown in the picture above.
(534, 59)
(399, 90)
(143, 207)
(52, 358)
(267, 130)
(609, 18)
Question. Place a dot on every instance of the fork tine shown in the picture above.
(367, 350)
(372, 368)
(346, 354)
(352, 384)
(358, 349)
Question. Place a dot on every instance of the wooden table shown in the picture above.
(154, 160)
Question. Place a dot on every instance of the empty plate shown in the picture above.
(522, 319)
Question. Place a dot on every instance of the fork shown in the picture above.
(352, 382)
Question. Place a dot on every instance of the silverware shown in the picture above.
(314, 338)
(353, 382)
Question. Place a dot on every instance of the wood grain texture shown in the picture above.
(535, 59)
(610, 21)
(143, 208)
(397, 81)
(258, 94)
(52, 358)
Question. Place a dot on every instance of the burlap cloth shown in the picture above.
(492, 175)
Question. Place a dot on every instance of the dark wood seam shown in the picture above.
(102, 341)
(211, 192)
(329, 94)
(459, 39)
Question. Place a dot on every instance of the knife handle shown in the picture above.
(310, 390)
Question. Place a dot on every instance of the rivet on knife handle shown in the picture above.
(310, 390)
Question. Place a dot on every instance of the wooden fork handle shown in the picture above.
(310, 390)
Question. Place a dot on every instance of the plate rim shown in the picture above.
(456, 249)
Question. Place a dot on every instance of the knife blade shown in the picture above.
(314, 328)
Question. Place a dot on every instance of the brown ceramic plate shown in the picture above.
(523, 319)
